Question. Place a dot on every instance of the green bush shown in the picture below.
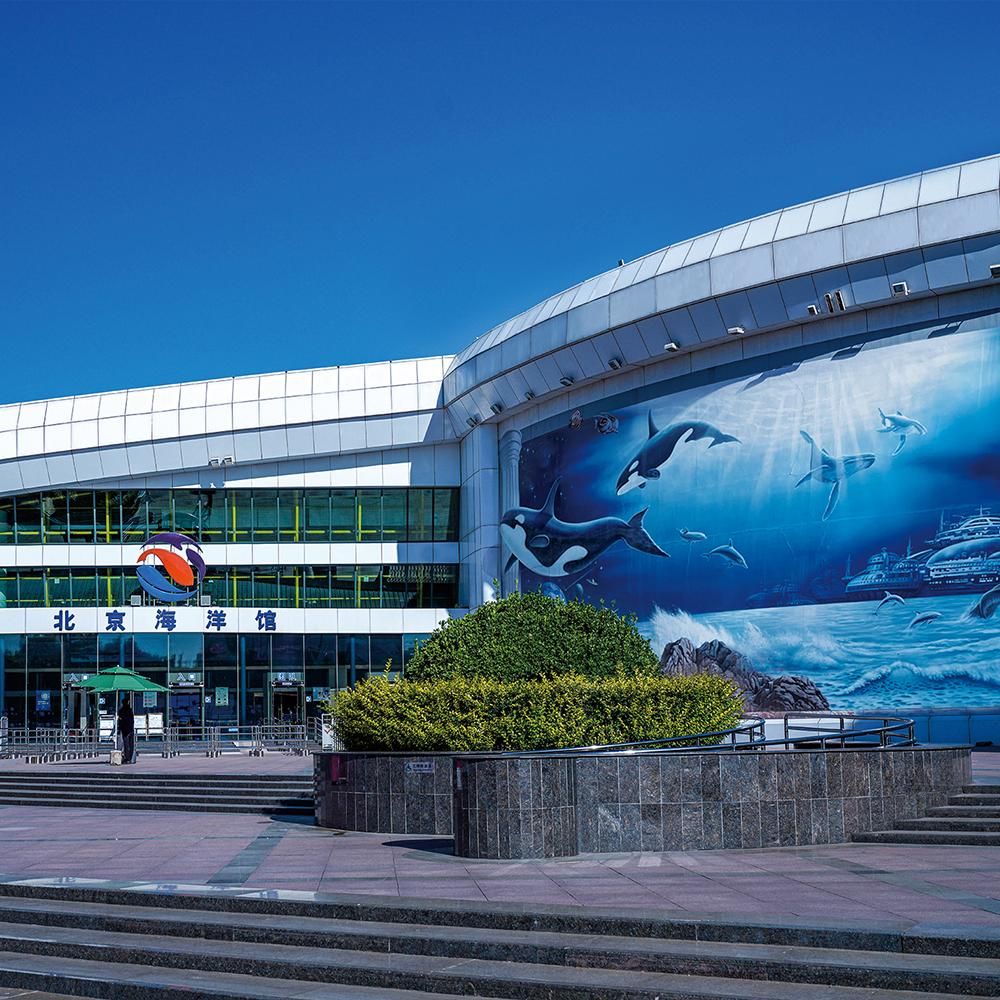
(529, 636)
(483, 713)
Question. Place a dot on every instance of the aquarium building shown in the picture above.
(781, 434)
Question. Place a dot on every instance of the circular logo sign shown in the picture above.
(170, 567)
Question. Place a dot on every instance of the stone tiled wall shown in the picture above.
(529, 807)
(673, 802)
(515, 807)
(384, 793)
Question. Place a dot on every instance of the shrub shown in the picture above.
(483, 713)
(527, 636)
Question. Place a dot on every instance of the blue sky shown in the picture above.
(193, 191)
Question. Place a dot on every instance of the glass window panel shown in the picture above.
(114, 651)
(368, 588)
(265, 515)
(265, 587)
(286, 651)
(112, 591)
(222, 695)
(133, 516)
(44, 680)
(220, 649)
(58, 592)
(109, 516)
(421, 516)
(445, 587)
(320, 650)
(342, 594)
(290, 515)
(387, 649)
(290, 586)
(13, 679)
(158, 503)
(55, 521)
(185, 653)
(240, 588)
(238, 503)
(395, 588)
(255, 650)
(352, 659)
(6, 520)
(254, 696)
(150, 652)
(31, 588)
(316, 586)
(446, 515)
(81, 516)
(28, 519)
(83, 587)
(343, 516)
(316, 515)
(394, 515)
(8, 588)
(213, 516)
(187, 512)
(420, 586)
(369, 515)
(79, 655)
(410, 643)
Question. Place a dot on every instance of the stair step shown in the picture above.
(957, 837)
(159, 805)
(984, 786)
(968, 823)
(973, 812)
(652, 969)
(187, 938)
(173, 795)
(975, 799)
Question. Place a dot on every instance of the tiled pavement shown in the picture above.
(957, 885)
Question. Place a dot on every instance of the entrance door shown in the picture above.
(185, 711)
(287, 705)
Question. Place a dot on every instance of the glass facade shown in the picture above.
(214, 679)
(231, 515)
(396, 585)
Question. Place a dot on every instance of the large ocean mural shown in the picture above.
(836, 518)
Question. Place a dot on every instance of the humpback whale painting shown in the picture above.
(834, 514)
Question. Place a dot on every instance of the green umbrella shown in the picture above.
(120, 679)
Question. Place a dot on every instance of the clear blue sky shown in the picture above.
(191, 191)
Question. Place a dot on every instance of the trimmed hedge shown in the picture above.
(529, 636)
(483, 713)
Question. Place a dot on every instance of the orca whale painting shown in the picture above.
(835, 516)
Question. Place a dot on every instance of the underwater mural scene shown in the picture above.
(836, 519)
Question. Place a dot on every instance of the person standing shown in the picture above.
(126, 729)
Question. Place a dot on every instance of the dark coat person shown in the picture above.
(126, 729)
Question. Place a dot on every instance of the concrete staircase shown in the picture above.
(266, 794)
(124, 944)
(972, 817)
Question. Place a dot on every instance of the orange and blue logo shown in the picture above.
(170, 567)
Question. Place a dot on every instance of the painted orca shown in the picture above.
(922, 617)
(692, 536)
(897, 423)
(730, 553)
(659, 446)
(889, 599)
(824, 468)
(550, 547)
(986, 606)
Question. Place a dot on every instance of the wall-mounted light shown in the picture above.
(900, 288)
(472, 421)
(995, 270)
(813, 310)
(672, 346)
(621, 263)
(497, 408)
(735, 331)
(614, 363)
(529, 395)
(567, 380)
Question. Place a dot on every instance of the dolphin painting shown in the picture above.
(824, 468)
(692, 536)
(730, 553)
(898, 423)
(659, 446)
(549, 547)
(986, 606)
(889, 599)
(922, 617)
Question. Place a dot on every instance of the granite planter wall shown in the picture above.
(384, 792)
(530, 807)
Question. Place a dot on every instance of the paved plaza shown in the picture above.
(951, 885)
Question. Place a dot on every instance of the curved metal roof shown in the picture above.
(758, 274)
